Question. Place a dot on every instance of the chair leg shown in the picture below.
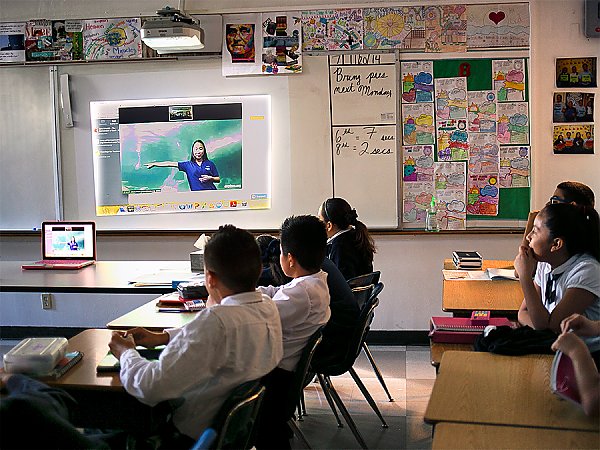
(330, 400)
(298, 433)
(368, 397)
(345, 413)
(302, 404)
(376, 369)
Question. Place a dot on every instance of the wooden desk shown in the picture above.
(437, 350)
(484, 388)
(467, 436)
(148, 317)
(498, 296)
(103, 402)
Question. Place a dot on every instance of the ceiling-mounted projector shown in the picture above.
(172, 32)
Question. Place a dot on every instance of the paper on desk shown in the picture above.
(165, 278)
(201, 242)
(465, 274)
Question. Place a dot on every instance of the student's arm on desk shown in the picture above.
(586, 373)
(191, 357)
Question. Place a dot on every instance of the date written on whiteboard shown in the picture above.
(363, 141)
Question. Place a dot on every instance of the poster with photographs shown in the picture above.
(281, 43)
(573, 139)
(576, 72)
(573, 107)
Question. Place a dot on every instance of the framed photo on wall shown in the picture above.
(576, 72)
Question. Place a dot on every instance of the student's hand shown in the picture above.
(525, 263)
(569, 344)
(119, 343)
(581, 325)
(206, 178)
(148, 339)
(150, 165)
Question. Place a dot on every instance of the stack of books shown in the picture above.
(467, 260)
(173, 302)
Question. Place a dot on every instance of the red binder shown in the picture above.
(562, 378)
(460, 330)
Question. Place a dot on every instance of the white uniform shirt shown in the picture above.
(579, 271)
(223, 347)
(303, 306)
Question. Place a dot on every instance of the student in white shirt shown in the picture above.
(567, 237)
(303, 306)
(237, 338)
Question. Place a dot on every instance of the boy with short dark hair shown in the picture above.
(237, 338)
(303, 306)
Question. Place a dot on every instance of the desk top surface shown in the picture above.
(148, 317)
(466, 436)
(94, 345)
(492, 295)
(475, 387)
(104, 276)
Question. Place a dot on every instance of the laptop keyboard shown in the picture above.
(63, 261)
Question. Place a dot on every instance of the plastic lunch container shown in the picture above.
(35, 355)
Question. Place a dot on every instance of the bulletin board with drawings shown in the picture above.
(465, 140)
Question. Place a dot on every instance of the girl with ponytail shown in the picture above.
(349, 244)
(567, 238)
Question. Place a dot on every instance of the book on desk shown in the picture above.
(460, 330)
(562, 378)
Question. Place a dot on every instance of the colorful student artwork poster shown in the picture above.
(446, 28)
(484, 154)
(416, 198)
(515, 164)
(482, 111)
(417, 81)
(315, 26)
(449, 175)
(513, 123)
(508, 76)
(12, 42)
(417, 163)
(399, 27)
(483, 194)
(452, 140)
(450, 98)
(573, 107)
(112, 39)
(417, 124)
(576, 72)
(451, 206)
(281, 49)
(498, 25)
(573, 139)
(57, 40)
(345, 30)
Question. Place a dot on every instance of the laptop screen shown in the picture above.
(69, 240)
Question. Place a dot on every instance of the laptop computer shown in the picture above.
(66, 245)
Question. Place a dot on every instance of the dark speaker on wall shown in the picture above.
(592, 18)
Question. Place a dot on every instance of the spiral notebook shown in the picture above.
(460, 330)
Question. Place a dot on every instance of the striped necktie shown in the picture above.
(550, 294)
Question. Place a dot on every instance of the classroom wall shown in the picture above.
(412, 290)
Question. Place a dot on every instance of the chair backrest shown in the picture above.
(233, 427)
(358, 334)
(301, 371)
(362, 294)
(364, 280)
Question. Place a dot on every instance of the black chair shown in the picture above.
(289, 399)
(364, 280)
(234, 425)
(356, 283)
(324, 373)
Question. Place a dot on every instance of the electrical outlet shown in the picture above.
(46, 301)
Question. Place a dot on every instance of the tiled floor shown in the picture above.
(409, 376)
